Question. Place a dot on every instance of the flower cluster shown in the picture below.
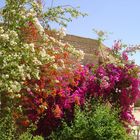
(16, 60)
(118, 85)
(122, 51)
(25, 47)
(44, 77)
(132, 48)
(19, 59)
(117, 45)
(47, 102)
(44, 99)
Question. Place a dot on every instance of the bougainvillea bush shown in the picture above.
(118, 85)
(114, 83)
(48, 107)
(42, 79)
(30, 59)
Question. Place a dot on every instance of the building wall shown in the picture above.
(89, 46)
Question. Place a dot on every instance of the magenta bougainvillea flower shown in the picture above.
(125, 56)
(52, 97)
(118, 85)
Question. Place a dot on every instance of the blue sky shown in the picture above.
(120, 17)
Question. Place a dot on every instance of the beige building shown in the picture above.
(89, 46)
(95, 52)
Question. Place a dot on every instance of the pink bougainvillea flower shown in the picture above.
(117, 45)
(125, 56)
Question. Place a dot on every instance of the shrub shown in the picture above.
(97, 123)
(10, 131)
(7, 128)
(29, 136)
(40, 68)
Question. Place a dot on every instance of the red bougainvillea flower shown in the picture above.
(57, 111)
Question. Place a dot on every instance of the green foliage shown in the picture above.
(62, 14)
(9, 131)
(38, 138)
(97, 123)
(29, 136)
(137, 104)
(26, 136)
(7, 128)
